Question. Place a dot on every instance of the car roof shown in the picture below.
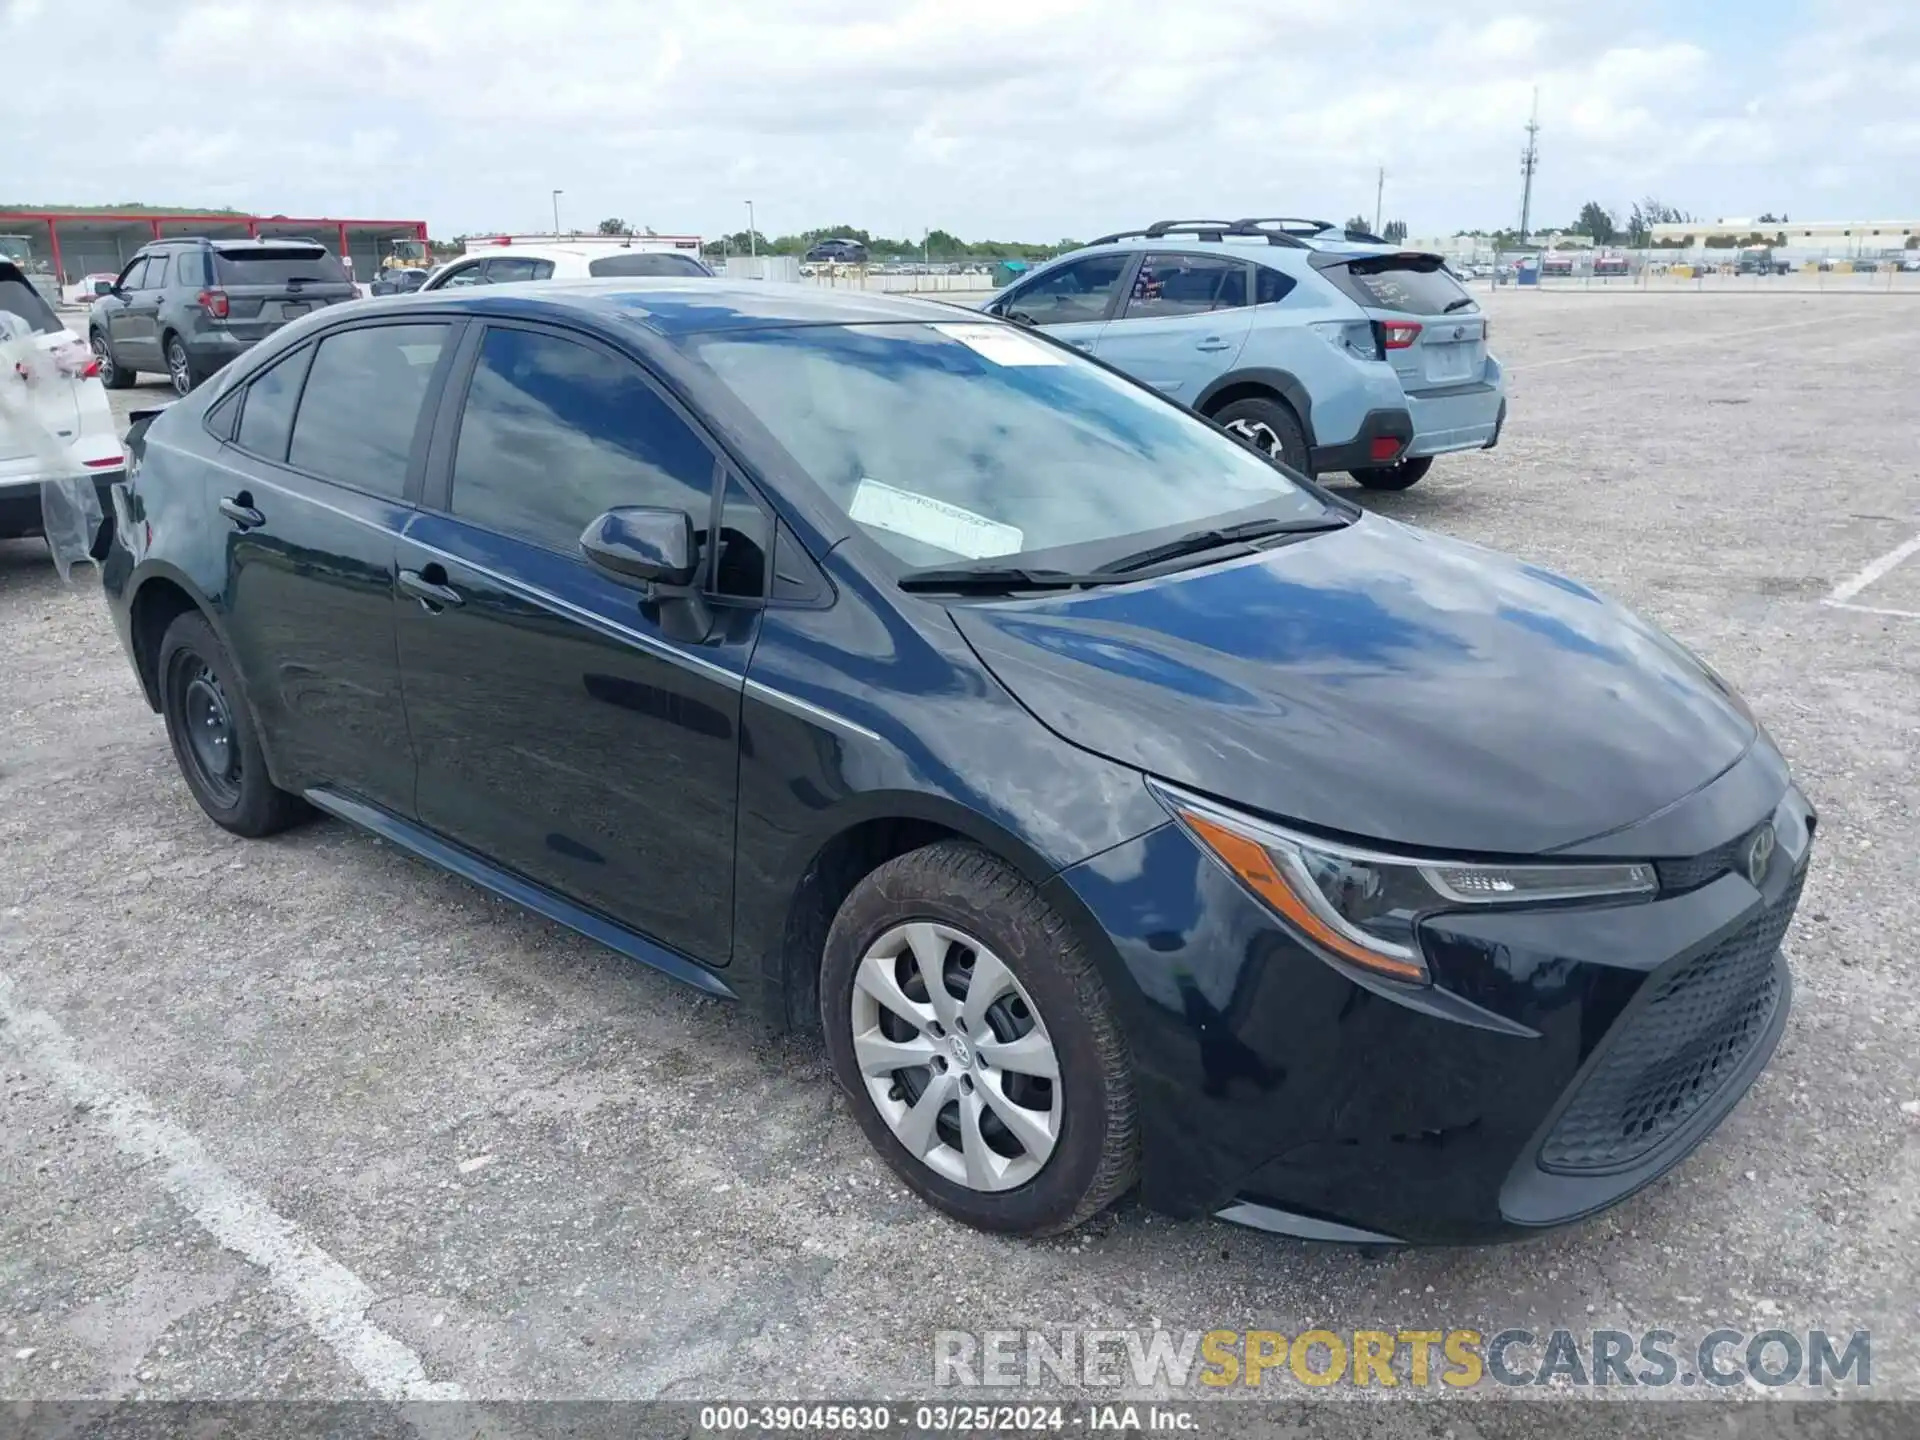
(669, 306)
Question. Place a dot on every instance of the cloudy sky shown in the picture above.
(1033, 119)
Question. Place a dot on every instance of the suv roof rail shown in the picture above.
(1208, 230)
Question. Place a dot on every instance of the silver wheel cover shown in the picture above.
(1257, 433)
(1001, 1097)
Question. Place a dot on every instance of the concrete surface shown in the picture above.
(307, 1118)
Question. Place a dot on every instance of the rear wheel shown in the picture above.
(211, 729)
(180, 366)
(1395, 477)
(1269, 426)
(112, 375)
(977, 1043)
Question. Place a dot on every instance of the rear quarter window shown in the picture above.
(277, 265)
(645, 264)
(1412, 286)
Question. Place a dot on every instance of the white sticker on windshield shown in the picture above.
(1003, 344)
(932, 522)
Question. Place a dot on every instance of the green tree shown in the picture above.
(615, 226)
(1395, 233)
(1359, 225)
(1597, 223)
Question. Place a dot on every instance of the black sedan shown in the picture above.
(1126, 808)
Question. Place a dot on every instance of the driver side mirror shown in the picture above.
(655, 550)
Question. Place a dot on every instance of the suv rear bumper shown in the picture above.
(20, 502)
(1459, 417)
(1357, 453)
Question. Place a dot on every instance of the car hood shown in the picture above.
(1381, 682)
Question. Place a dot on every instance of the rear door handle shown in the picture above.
(1081, 344)
(239, 509)
(430, 588)
(1213, 342)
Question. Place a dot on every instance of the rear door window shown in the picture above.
(278, 265)
(1411, 285)
(645, 263)
(266, 415)
(1075, 292)
(361, 405)
(1187, 285)
(506, 269)
(155, 276)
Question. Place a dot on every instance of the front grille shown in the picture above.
(1675, 1050)
(1696, 870)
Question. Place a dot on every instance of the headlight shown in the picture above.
(1362, 906)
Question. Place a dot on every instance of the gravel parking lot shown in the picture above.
(405, 1139)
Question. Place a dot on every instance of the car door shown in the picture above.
(563, 729)
(328, 445)
(140, 350)
(114, 311)
(1072, 301)
(1185, 321)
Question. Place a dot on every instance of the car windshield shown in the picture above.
(970, 440)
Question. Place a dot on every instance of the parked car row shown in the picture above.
(1124, 807)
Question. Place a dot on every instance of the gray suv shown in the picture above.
(185, 307)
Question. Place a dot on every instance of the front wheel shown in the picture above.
(977, 1043)
(1395, 477)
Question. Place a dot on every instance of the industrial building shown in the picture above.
(74, 243)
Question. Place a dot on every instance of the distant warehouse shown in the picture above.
(73, 243)
(1842, 237)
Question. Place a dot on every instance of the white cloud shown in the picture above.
(1036, 120)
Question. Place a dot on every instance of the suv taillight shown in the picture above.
(214, 302)
(1398, 334)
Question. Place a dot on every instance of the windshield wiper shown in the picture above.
(1461, 303)
(998, 578)
(1196, 541)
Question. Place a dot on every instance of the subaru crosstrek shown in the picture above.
(1123, 806)
(1327, 349)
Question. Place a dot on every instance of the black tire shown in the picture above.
(197, 682)
(1395, 477)
(113, 374)
(180, 367)
(1269, 426)
(958, 885)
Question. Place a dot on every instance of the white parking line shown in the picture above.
(1699, 337)
(1871, 572)
(330, 1298)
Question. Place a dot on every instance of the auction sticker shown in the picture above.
(932, 522)
(1003, 345)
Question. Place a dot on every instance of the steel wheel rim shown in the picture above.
(207, 719)
(967, 1078)
(177, 366)
(1258, 434)
(105, 357)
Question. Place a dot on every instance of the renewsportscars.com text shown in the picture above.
(1147, 1360)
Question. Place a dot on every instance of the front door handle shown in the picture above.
(1086, 345)
(1213, 342)
(430, 588)
(239, 509)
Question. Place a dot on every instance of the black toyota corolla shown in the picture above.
(1126, 808)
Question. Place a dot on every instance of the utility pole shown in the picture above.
(1379, 189)
(556, 210)
(753, 241)
(1529, 162)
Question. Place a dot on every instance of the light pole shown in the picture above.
(556, 210)
(753, 241)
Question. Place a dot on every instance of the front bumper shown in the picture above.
(1562, 1059)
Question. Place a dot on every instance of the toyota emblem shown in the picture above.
(1759, 854)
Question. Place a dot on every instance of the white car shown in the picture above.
(54, 417)
(88, 288)
(509, 263)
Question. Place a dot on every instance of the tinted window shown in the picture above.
(18, 297)
(277, 264)
(130, 278)
(1079, 291)
(1186, 285)
(543, 270)
(472, 274)
(1419, 286)
(190, 267)
(746, 536)
(267, 417)
(1272, 286)
(508, 268)
(645, 263)
(155, 277)
(361, 404)
(976, 439)
(554, 433)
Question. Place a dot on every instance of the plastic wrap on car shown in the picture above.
(70, 513)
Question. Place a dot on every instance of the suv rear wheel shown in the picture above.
(180, 367)
(977, 1043)
(111, 374)
(1269, 426)
(1395, 477)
